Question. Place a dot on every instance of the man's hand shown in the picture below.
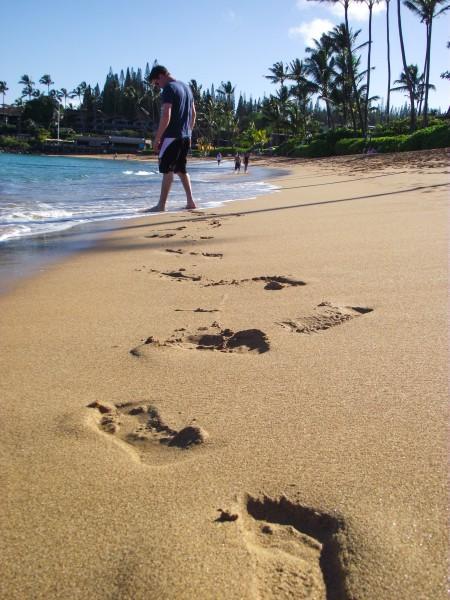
(166, 111)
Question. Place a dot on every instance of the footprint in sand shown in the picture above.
(179, 275)
(297, 552)
(213, 337)
(210, 254)
(278, 282)
(140, 425)
(197, 310)
(205, 254)
(273, 282)
(326, 316)
(162, 235)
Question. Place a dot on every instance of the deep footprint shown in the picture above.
(299, 551)
(212, 338)
(140, 425)
(273, 282)
(278, 282)
(326, 316)
(179, 275)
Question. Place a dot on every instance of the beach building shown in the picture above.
(111, 143)
(11, 115)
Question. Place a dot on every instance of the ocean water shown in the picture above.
(51, 206)
(48, 194)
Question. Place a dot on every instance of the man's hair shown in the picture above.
(157, 71)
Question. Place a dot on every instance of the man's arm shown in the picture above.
(193, 116)
(166, 111)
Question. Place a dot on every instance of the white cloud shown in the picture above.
(357, 11)
(312, 30)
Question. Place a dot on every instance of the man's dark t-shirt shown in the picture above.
(179, 95)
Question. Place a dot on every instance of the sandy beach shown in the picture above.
(244, 403)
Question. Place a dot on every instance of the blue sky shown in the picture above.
(197, 39)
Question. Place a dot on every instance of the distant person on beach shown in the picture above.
(246, 160)
(237, 163)
(173, 136)
(219, 158)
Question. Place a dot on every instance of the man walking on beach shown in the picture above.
(173, 137)
(246, 160)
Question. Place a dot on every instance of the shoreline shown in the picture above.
(24, 256)
(301, 336)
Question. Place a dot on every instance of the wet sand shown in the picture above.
(243, 403)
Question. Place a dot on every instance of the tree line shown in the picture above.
(329, 88)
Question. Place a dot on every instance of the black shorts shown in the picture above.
(174, 156)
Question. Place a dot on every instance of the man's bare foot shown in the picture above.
(153, 209)
(190, 206)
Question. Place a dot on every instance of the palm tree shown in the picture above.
(78, 92)
(388, 42)
(303, 88)
(276, 110)
(211, 116)
(412, 81)
(349, 53)
(296, 119)
(279, 73)
(297, 71)
(272, 112)
(3, 90)
(320, 67)
(63, 93)
(130, 99)
(46, 80)
(427, 10)
(341, 90)
(196, 90)
(28, 84)
(406, 71)
(370, 5)
(226, 92)
(282, 96)
(347, 65)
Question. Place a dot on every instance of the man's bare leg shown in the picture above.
(186, 182)
(166, 184)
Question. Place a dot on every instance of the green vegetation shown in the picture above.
(430, 137)
(12, 143)
(436, 136)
